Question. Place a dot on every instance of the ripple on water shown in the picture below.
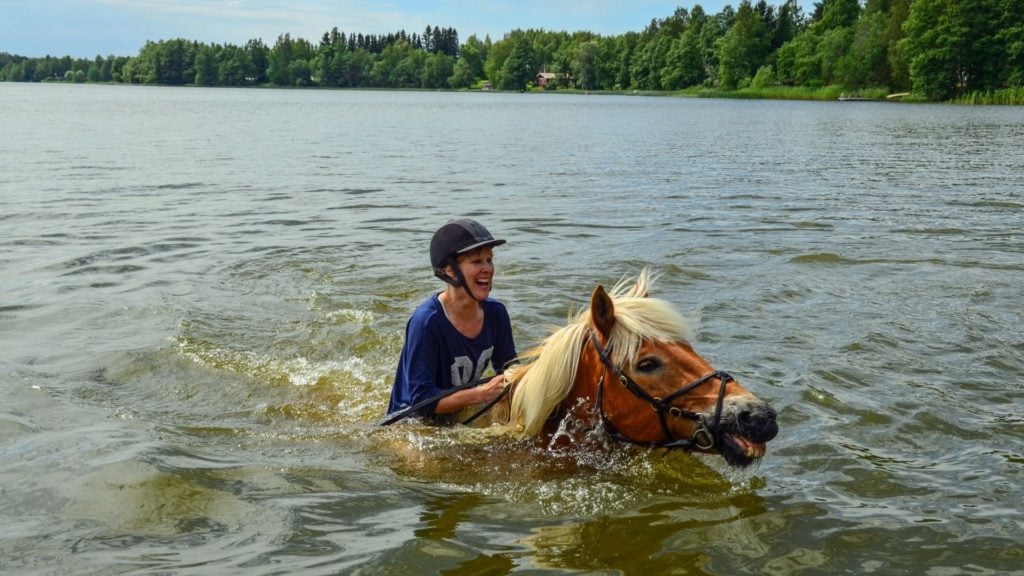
(211, 324)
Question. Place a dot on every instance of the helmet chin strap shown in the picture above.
(459, 280)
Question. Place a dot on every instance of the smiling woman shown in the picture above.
(455, 336)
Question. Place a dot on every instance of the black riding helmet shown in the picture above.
(454, 238)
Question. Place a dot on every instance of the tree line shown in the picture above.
(938, 49)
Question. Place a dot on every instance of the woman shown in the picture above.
(456, 334)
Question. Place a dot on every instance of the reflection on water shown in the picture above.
(203, 302)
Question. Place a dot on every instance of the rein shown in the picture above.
(415, 408)
(412, 410)
(703, 438)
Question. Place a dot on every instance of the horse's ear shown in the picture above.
(602, 311)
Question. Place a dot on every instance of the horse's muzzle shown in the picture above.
(743, 431)
(758, 425)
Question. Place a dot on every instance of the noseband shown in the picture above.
(704, 438)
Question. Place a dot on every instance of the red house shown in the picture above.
(545, 78)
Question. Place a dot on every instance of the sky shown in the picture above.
(87, 28)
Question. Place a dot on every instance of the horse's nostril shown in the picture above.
(756, 418)
(759, 425)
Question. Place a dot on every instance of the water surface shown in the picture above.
(203, 294)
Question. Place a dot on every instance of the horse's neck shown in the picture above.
(578, 414)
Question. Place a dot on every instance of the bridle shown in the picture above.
(706, 435)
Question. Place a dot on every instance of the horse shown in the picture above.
(624, 369)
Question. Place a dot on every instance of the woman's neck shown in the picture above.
(458, 303)
(462, 311)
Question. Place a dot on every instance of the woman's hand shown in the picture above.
(481, 394)
(491, 389)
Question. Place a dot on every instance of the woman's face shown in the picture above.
(478, 269)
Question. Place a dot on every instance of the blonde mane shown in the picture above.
(546, 375)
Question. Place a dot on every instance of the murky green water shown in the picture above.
(203, 294)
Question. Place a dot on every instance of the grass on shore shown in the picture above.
(825, 93)
(1004, 96)
(792, 93)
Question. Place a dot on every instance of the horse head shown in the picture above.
(625, 365)
(660, 392)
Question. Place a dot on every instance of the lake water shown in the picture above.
(203, 294)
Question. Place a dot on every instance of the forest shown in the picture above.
(965, 50)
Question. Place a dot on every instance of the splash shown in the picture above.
(298, 371)
(602, 478)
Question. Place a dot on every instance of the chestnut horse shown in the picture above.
(624, 367)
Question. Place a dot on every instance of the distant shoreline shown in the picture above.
(826, 94)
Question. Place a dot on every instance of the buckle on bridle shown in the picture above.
(702, 437)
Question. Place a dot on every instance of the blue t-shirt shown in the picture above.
(437, 357)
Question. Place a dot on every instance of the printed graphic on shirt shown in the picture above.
(462, 368)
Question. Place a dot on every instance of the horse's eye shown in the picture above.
(648, 365)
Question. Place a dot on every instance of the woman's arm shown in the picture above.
(481, 394)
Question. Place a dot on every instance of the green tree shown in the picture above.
(625, 48)
(952, 46)
(234, 67)
(437, 68)
(519, 69)
(714, 28)
(474, 53)
(764, 78)
(328, 63)
(128, 71)
(117, 65)
(584, 65)
(832, 50)
(606, 66)
(259, 59)
(407, 70)
(168, 62)
(288, 62)
(899, 67)
(462, 75)
(45, 69)
(684, 65)
(298, 73)
(358, 65)
(107, 69)
(790, 22)
(496, 57)
(866, 63)
(562, 64)
(836, 14)
(1011, 36)
(278, 61)
(543, 47)
(206, 66)
(798, 61)
(743, 48)
(649, 61)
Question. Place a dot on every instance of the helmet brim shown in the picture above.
(484, 244)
